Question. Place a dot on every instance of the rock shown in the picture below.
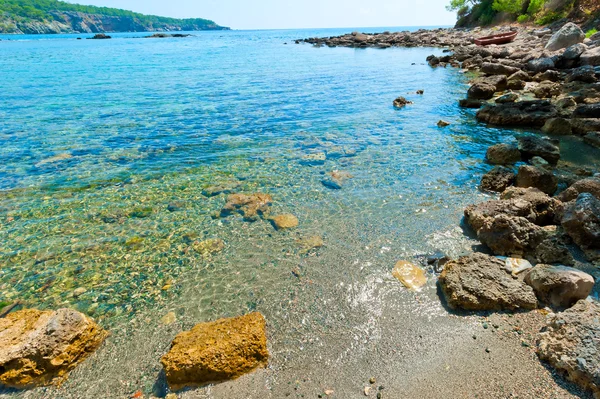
(498, 69)
(549, 75)
(591, 57)
(566, 102)
(217, 351)
(558, 126)
(311, 242)
(540, 65)
(421, 92)
(176, 206)
(168, 319)
(413, 277)
(100, 36)
(581, 221)
(585, 74)
(481, 91)
(208, 247)
(593, 139)
(531, 146)
(470, 103)
(507, 98)
(40, 348)
(568, 35)
(401, 102)
(514, 84)
(332, 183)
(498, 179)
(590, 185)
(547, 89)
(587, 111)
(442, 123)
(584, 126)
(529, 203)
(574, 52)
(559, 286)
(539, 162)
(282, 222)
(523, 113)
(553, 250)
(79, 292)
(503, 154)
(249, 206)
(225, 188)
(511, 235)
(482, 282)
(542, 179)
(499, 82)
(518, 265)
(570, 343)
(520, 75)
(314, 159)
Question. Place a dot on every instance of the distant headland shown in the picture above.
(52, 16)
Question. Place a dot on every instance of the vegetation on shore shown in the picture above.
(15, 12)
(540, 12)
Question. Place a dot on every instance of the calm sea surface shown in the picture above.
(106, 147)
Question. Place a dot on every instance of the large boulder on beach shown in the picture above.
(534, 146)
(481, 91)
(589, 185)
(529, 203)
(522, 113)
(591, 57)
(568, 35)
(503, 154)
(541, 64)
(540, 178)
(498, 69)
(559, 286)
(570, 343)
(511, 235)
(581, 221)
(483, 282)
(217, 351)
(574, 52)
(41, 347)
(497, 180)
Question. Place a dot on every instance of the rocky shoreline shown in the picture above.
(548, 211)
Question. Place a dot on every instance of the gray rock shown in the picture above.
(540, 178)
(587, 111)
(589, 185)
(585, 74)
(523, 113)
(481, 91)
(541, 64)
(559, 286)
(558, 126)
(593, 139)
(333, 184)
(591, 57)
(498, 179)
(581, 221)
(574, 51)
(470, 103)
(507, 98)
(585, 125)
(531, 146)
(570, 343)
(482, 282)
(503, 154)
(511, 235)
(498, 69)
(554, 250)
(568, 35)
(498, 81)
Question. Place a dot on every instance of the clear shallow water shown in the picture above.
(99, 137)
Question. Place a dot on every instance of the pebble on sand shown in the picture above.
(413, 277)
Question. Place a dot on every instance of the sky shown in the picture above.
(282, 14)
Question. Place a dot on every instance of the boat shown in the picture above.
(500, 38)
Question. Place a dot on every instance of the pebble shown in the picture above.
(372, 380)
(79, 291)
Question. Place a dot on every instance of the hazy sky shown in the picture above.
(273, 14)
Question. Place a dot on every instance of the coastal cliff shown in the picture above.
(34, 17)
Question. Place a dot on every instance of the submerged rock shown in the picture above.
(401, 102)
(413, 277)
(559, 286)
(40, 348)
(249, 206)
(482, 282)
(209, 247)
(224, 188)
(282, 222)
(570, 343)
(217, 351)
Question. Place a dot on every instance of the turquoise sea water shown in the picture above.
(108, 145)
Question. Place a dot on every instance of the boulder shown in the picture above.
(529, 203)
(558, 126)
(550, 75)
(401, 102)
(559, 286)
(100, 36)
(217, 351)
(511, 235)
(482, 282)
(507, 98)
(591, 57)
(581, 221)
(540, 178)
(41, 347)
(283, 222)
(547, 89)
(566, 102)
(574, 52)
(498, 81)
(503, 154)
(523, 113)
(554, 250)
(251, 207)
(498, 69)
(481, 91)
(520, 75)
(584, 126)
(593, 139)
(589, 185)
(531, 146)
(568, 35)
(498, 179)
(541, 65)
(570, 343)
(470, 103)
(585, 74)
(587, 111)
